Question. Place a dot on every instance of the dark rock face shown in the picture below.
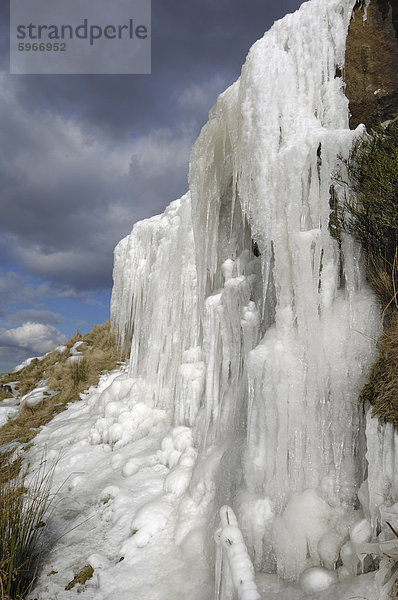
(371, 63)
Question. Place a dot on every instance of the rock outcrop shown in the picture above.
(371, 65)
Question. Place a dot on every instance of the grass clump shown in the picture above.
(79, 371)
(67, 379)
(371, 216)
(23, 515)
(381, 389)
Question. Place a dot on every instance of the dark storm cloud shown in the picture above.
(46, 317)
(191, 42)
(84, 157)
(9, 358)
(17, 289)
(68, 196)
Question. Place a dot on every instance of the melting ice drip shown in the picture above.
(250, 323)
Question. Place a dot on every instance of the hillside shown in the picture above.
(32, 395)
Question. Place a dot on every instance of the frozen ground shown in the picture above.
(103, 486)
(115, 510)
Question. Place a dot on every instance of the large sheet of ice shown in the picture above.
(249, 321)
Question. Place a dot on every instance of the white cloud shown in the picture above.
(35, 338)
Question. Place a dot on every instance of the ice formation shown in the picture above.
(238, 573)
(251, 324)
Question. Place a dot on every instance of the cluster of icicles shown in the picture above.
(251, 324)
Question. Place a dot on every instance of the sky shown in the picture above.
(83, 157)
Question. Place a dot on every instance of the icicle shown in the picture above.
(150, 265)
(219, 565)
(382, 456)
(240, 567)
(365, 11)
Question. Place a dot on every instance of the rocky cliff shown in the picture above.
(371, 63)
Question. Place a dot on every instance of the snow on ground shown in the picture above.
(75, 354)
(8, 406)
(121, 472)
(38, 395)
(7, 409)
(113, 510)
(61, 348)
(27, 362)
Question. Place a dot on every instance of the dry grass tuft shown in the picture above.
(382, 387)
(67, 379)
(79, 371)
(23, 515)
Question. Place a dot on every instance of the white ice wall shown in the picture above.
(262, 347)
(154, 297)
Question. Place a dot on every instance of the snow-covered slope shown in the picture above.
(252, 328)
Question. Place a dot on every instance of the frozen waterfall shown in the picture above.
(249, 322)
